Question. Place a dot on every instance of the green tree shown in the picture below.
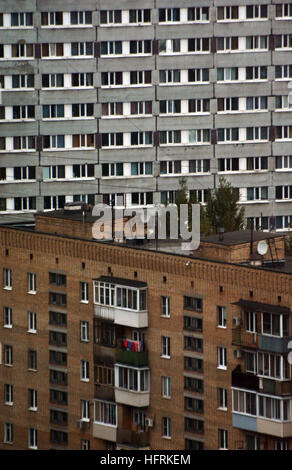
(222, 210)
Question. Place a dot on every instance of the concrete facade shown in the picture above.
(258, 118)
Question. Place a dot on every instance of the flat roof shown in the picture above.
(252, 306)
(241, 236)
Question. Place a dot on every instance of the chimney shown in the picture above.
(221, 234)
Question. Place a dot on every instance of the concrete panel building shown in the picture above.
(101, 100)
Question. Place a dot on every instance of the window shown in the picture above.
(193, 303)
(222, 357)
(118, 296)
(228, 164)
(284, 10)
(251, 322)
(84, 371)
(194, 425)
(112, 169)
(283, 102)
(228, 135)
(31, 320)
(52, 50)
(222, 317)
(57, 299)
(8, 394)
(165, 346)
(169, 15)
(105, 413)
(59, 437)
(104, 333)
(227, 104)
(22, 81)
(8, 433)
(24, 173)
(254, 103)
(141, 168)
(222, 398)
(109, 17)
(32, 438)
(284, 162)
(166, 427)
(7, 278)
(166, 387)
(85, 410)
(32, 399)
(32, 359)
(31, 283)
(170, 167)
(283, 41)
(111, 48)
(141, 78)
(22, 112)
(257, 194)
(57, 338)
(21, 20)
(227, 74)
(194, 404)
(283, 132)
(256, 163)
(250, 362)
(274, 324)
(272, 365)
(199, 106)
(140, 47)
(198, 14)
(112, 79)
(104, 375)
(8, 355)
(53, 111)
(193, 364)
(57, 318)
(169, 76)
(169, 46)
(193, 344)
(56, 357)
(80, 18)
(84, 291)
(198, 75)
(165, 305)
(170, 137)
(141, 138)
(53, 142)
(58, 377)
(198, 136)
(223, 439)
(57, 279)
(85, 444)
(82, 80)
(227, 13)
(59, 417)
(139, 16)
(7, 317)
(84, 329)
(191, 444)
(81, 49)
(112, 109)
(193, 385)
(257, 73)
(54, 202)
(193, 323)
(256, 42)
(54, 18)
(133, 379)
(283, 192)
(59, 397)
(112, 140)
(53, 80)
(227, 44)
(256, 12)
(170, 107)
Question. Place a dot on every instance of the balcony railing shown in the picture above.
(132, 352)
(240, 337)
(245, 381)
(122, 316)
(104, 392)
(133, 438)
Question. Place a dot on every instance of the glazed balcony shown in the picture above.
(132, 385)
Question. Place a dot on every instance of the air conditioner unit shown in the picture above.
(236, 321)
(149, 422)
(238, 353)
(82, 424)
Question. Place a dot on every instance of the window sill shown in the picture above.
(32, 370)
(32, 292)
(222, 409)
(222, 367)
(32, 409)
(84, 380)
(7, 326)
(32, 331)
(166, 437)
(8, 403)
(7, 288)
(165, 316)
(84, 301)
(165, 357)
(222, 327)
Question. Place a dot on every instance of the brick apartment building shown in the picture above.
(107, 99)
(114, 346)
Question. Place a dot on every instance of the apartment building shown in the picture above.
(118, 346)
(103, 101)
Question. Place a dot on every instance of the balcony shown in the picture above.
(275, 387)
(132, 353)
(133, 398)
(132, 438)
(105, 432)
(274, 344)
(244, 338)
(104, 392)
(120, 316)
(243, 380)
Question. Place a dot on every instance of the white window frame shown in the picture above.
(31, 322)
(165, 347)
(105, 417)
(32, 438)
(32, 283)
(7, 317)
(85, 411)
(223, 439)
(84, 370)
(166, 427)
(32, 393)
(7, 279)
(165, 306)
(222, 399)
(222, 357)
(8, 392)
(84, 291)
(166, 387)
(8, 433)
(84, 331)
(221, 316)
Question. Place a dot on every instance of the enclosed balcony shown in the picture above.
(132, 385)
(105, 420)
(121, 301)
(132, 439)
(132, 353)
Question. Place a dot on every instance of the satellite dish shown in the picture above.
(262, 247)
